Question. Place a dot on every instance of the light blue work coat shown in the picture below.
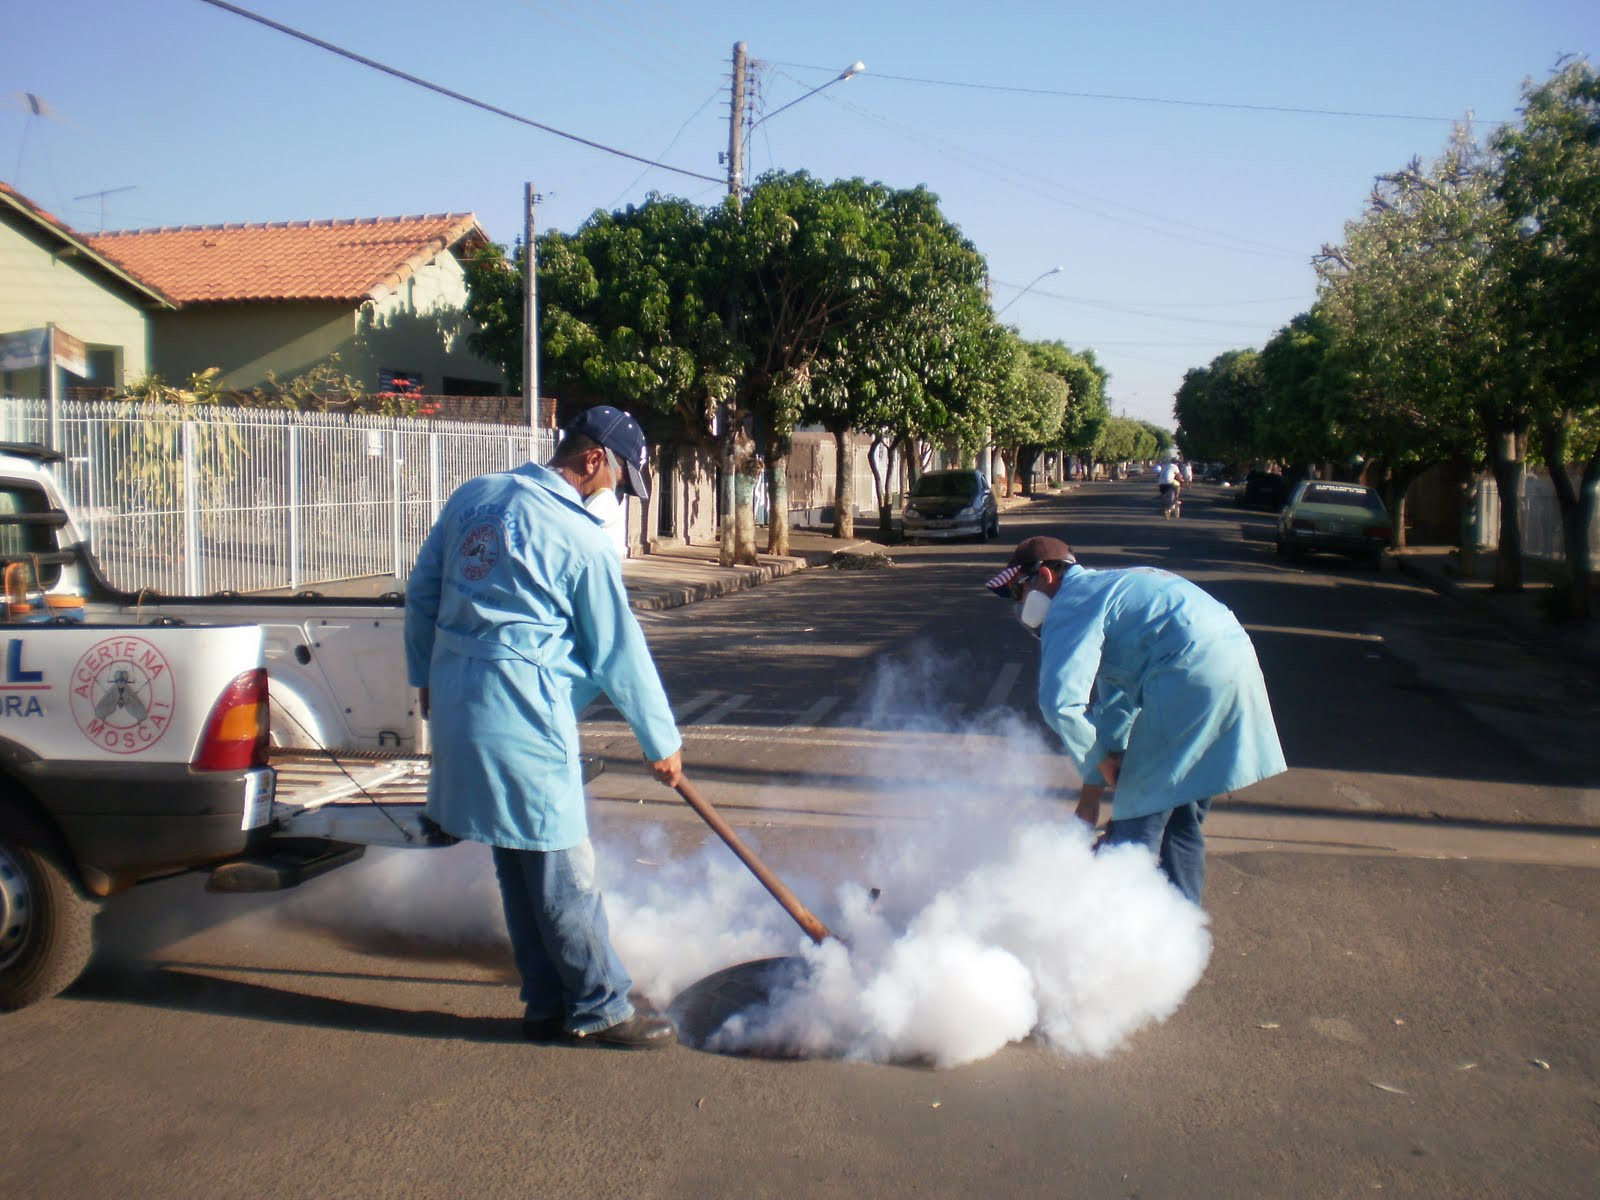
(516, 617)
(1177, 687)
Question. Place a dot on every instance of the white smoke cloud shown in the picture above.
(997, 920)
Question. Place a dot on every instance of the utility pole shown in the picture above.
(736, 129)
(530, 313)
(727, 485)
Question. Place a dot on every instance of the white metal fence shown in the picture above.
(192, 501)
(1541, 519)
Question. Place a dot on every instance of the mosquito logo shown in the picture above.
(480, 550)
(122, 694)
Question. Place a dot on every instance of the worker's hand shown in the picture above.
(1111, 767)
(669, 770)
(1088, 810)
(422, 702)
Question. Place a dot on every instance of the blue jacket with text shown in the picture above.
(516, 618)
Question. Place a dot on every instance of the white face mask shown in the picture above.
(1035, 606)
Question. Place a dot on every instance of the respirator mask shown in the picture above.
(1035, 607)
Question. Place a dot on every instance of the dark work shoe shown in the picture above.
(642, 1031)
(545, 1029)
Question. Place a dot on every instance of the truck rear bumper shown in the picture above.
(124, 822)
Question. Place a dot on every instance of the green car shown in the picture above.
(1334, 518)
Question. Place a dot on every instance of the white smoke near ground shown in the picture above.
(997, 920)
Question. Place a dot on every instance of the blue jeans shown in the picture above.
(1174, 837)
(560, 938)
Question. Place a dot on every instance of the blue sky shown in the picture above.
(1184, 229)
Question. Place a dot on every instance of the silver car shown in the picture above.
(952, 504)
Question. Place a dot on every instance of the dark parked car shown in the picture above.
(1338, 518)
(1262, 489)
(952, 504)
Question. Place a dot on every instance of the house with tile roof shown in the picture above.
(385, 294)
(51, 276)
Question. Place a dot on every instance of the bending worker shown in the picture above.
(516, 618)
(1181, 711)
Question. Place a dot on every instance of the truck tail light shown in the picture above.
(236, 735)
(1377, 531)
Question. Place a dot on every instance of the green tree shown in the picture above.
(1417, 293)
(913, 348)
(1028, 409)
(1087, 409)
(1550, 185)
(1304, 393)
(628, 312)
(1123, 439)
(1220, 406)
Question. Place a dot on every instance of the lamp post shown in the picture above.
(729, 495)
(1029, 288)
(736, 136)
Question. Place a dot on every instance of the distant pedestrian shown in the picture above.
(516, 618)
(1180, 712)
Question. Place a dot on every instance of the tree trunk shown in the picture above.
(1399, 489)
(740, 466)
(744, 511)
(1507, 458)
(1008, 458)
(1027, 458)
(726, 555)
(777, 495)
(1468, 477)
(1578, 505)
(882, 482)
(844, 490)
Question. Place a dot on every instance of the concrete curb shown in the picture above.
(647, 596)
(644, 597)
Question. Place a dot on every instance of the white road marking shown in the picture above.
(815, 713)
(680, 711)
(1004, 678)
(714, 717)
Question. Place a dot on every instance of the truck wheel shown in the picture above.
(46, 926)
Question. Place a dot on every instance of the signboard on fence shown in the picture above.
(31, 348)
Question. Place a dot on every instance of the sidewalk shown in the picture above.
(673, 576)
(670, 577)
(1524, 613)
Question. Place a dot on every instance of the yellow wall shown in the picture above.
(39, 286)
(417, 329)
(248, 340)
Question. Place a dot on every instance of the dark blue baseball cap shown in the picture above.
(619, 433)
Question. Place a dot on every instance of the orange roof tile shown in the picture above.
(288, 260)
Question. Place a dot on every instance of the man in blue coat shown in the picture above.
(516, 617)
(1154, 688)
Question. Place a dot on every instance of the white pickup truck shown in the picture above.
(266, 741)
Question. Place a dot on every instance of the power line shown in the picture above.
(1127, 99)
(1056, 192)
(704, 105)
(447, 92)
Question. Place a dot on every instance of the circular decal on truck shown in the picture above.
(480, 550)
(122, 694)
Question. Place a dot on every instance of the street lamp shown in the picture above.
(737, 136)
(852, 70)
(1029, 288)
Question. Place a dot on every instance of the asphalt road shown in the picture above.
(1400, 998)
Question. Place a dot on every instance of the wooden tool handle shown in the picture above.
(802, 915)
